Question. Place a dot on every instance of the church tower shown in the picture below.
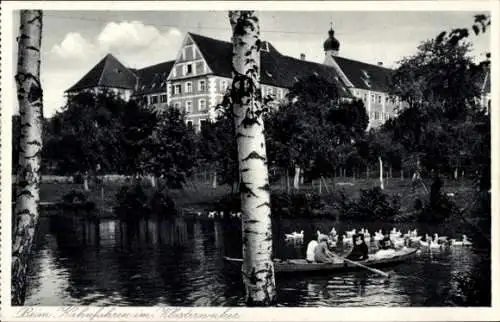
(331, 44)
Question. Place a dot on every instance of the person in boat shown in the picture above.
(386, 242)
(311, 247)
(321, 252)
(359, 250)
(386, 247)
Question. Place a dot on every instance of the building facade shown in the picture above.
(196, 81)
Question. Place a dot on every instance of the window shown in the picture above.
(269, 90)
(177, 105)
(163, 98)
(365, 98)
(201, 86)
(189, 87)
(202, 104)
(187, 52)
(177, 88)
(174, 74)
(379, 98)
(387, 116)
(280, 93)
(188, 69)
(189, 107)
(376, 115)
(203, 123)
(373, 97)
(154, 99)
(189, 124)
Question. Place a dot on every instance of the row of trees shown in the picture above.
(443, 128)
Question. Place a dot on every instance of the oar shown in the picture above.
(374, 270)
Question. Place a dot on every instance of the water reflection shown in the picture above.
(179, 262)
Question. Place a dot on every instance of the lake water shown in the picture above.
(179, 262)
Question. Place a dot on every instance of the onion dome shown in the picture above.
(331, 43)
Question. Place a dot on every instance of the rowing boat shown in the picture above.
(302, 266)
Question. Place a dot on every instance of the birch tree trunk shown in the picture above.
(29, 92)
(296, 178)
(257, 269)
(381, 164)
(214, 181)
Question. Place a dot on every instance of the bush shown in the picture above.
(162, 204)
(230, 202)
(374, 204)
(74, 197)
(131, 202)
(134, 202)
(78, 178)
(77, 200)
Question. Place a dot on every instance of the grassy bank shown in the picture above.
(201, 196)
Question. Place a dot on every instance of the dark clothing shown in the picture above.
(386, 243)
(359, 252)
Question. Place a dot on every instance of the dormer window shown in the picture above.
(188, 69)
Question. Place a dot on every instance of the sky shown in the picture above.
(74, 41)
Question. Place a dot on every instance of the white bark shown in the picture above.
(296, 178)
(29, 92)
(152, 179)
(86, 183)
(214, 181)
(257, 269)
(381, 164)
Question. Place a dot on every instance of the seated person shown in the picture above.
(310, 250)
(386, 247)
(359, 250)
(386, 242)
(321, 253)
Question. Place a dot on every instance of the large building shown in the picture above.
(197, 79)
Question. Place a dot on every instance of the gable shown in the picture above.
(189, 53)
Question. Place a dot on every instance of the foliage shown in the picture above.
(217, 147)
(169, 152)
(134, 202)
(103, 133)
(442, 123)
(372, 204)
(77, 200)
(88, 131)
(314, 126)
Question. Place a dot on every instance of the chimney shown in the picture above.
(302, 56)
(380, 63)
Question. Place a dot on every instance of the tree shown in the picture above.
(217, 148)
(440, 87)
(257, 269)
(29, 91)
(89, 131)
(169, 152)
(315, 129)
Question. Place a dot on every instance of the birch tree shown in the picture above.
(246, 100)
(29, 92)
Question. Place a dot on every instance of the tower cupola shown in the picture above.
(331, 44)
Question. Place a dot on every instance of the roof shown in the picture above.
(365, 76)
(153, 79)
(276, 69)
(109, 72)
